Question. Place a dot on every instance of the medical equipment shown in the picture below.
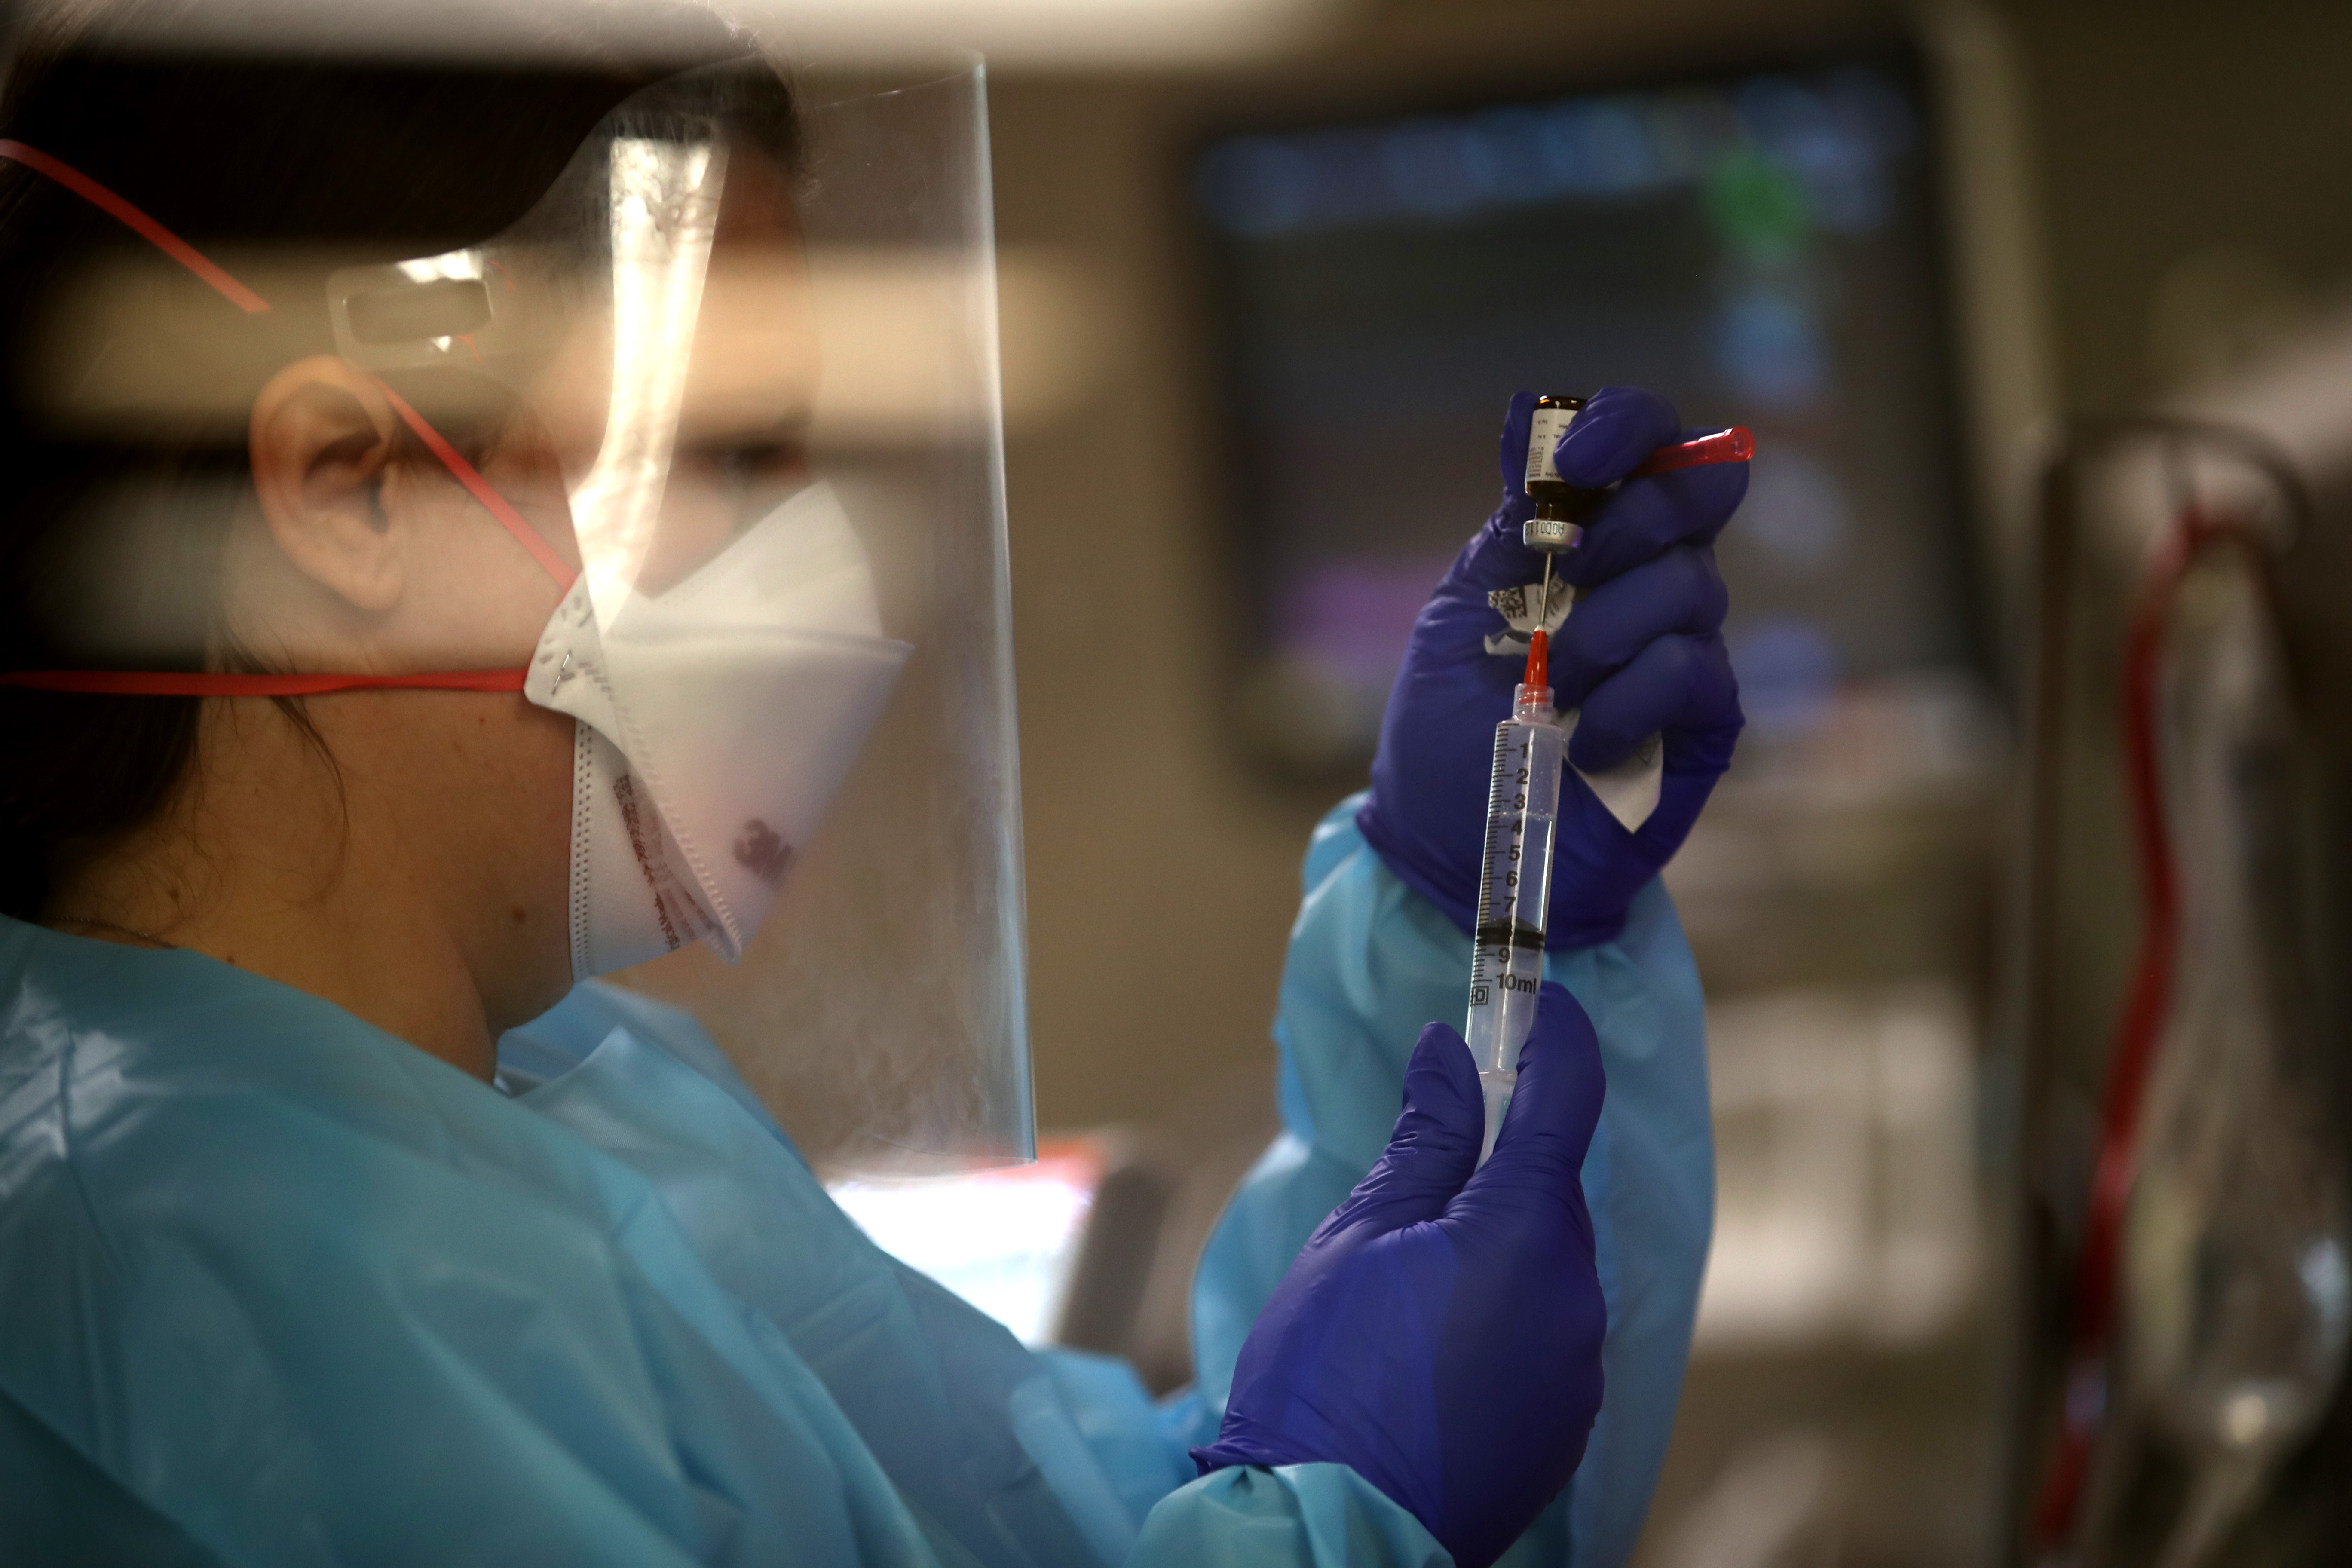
(2210, 1286)
(1840, 547)
(1644, 657)
(1523, 788)
(2234, 1240)
(1523, 798)
(1514, 889)
(1560, 507)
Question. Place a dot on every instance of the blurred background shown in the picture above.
(1270, 269)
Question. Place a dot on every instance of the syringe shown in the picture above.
(1523, 793)
(1514, 885)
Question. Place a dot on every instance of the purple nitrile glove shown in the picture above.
(1641, 655)
(1441, 1332)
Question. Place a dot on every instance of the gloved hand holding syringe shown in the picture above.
(1393, 1345)
(1523, 791)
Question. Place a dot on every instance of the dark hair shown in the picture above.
(355, 161)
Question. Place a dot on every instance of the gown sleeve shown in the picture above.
(57, 1507)
(1302, 1515)
(1370, 963)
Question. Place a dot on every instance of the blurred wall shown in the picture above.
(1160, 880)
(2195, 163)
(2191, 170)
(2185, 198)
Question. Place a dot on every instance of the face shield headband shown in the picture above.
(223, 683)
(716, 716)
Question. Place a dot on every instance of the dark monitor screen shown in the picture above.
(1762, 248)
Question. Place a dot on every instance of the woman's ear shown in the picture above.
(322, 443)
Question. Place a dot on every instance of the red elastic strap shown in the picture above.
(172, 683)
(1736, 444)
(137, 222)
(218, 683)
(245, 299)
(484, 491)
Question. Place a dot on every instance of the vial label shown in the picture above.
(1544, 431)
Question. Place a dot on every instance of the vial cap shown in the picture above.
(1550, 534)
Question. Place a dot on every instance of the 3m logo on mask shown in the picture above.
(716, 720)
(763, 852)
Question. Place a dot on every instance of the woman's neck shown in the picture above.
(347, 863)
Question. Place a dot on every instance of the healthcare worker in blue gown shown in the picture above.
(339, 1224)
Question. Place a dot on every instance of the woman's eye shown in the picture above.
(749, 459)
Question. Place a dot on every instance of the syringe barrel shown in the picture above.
(1514, 896)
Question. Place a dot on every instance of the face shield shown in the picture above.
(721, 409)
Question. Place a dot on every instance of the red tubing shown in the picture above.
(1736, 444)
(2138, 1033)
(223, 683)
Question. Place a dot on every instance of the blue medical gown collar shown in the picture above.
(614, 1315)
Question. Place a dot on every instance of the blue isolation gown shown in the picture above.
(276, 1287)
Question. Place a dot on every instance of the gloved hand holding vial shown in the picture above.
(1641, 656)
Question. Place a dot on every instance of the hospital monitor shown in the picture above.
(1760, 246)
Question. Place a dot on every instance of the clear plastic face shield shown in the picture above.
(713, 432)
(880, 1008)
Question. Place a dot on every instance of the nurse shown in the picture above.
(448, 560)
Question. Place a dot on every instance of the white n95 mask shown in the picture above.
(715, 720)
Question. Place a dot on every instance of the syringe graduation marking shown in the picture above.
(1515, 883)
